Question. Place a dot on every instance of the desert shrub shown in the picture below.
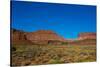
(13, 49)
(53, 61)
(65, 43)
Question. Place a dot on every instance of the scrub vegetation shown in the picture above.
(25, 54)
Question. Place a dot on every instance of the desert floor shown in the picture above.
(26, 54)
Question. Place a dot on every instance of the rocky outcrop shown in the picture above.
(19, 37)
(86, 35)
(38, 37)
(44, 36)
(85, 39)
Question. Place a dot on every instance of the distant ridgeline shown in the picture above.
(49, 37)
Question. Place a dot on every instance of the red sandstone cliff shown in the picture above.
(44, 35)
(87, 35)
(49, 37)
(38, 37)
(19, 37)
(88, 38)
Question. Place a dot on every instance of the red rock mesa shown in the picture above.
(49, 37)
(38, 37)
(44, 37)
(87, 35)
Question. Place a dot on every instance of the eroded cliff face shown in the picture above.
(19, 37)
(87, 35)
(44, 36)
(88, 38)
(38, 37)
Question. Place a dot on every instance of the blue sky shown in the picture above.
(67, 20)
